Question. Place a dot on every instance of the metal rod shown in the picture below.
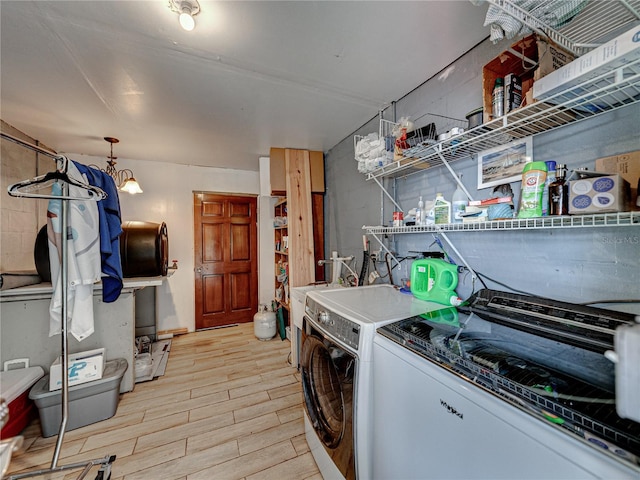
(30, 146)
(72, 466)
(63, 324)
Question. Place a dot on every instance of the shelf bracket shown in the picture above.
(389, 196)
(453, 174)
(474, 275)
(384, 247)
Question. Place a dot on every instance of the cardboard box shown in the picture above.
(598, 194)
(550, 58)
(610, 55)
(535, 52)
(83, 367)
(627, 165)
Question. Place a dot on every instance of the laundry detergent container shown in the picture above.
(89, 402)
(435, 280)
(144, 249)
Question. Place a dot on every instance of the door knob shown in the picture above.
(199, 270)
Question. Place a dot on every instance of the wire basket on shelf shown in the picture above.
(436, 129)
(376, 149)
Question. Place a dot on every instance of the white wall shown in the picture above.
(168, 197)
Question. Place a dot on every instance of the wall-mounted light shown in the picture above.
(124, 179)
(186, 9)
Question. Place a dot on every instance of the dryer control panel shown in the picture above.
(341, 329)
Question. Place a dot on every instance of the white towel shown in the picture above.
(83, 258)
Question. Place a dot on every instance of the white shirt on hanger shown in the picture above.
(84, 263)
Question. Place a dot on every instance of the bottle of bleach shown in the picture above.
(435, 280)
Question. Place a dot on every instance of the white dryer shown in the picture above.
(336, 367)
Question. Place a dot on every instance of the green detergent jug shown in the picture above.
(435, 280)
(444, 316)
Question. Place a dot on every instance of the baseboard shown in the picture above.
(167, 334)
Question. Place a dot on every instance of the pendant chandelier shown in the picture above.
(124, 179)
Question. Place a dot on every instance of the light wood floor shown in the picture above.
(228, 407)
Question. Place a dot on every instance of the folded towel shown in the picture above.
(10, 280)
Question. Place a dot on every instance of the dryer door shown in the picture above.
(327, 381)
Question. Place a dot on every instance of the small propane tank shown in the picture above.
(264, 323)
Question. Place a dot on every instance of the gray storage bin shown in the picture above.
(89, 402)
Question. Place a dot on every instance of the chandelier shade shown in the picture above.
(124, 179)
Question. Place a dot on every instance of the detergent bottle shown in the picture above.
(534, 176)
(435, 280)
(442, 210)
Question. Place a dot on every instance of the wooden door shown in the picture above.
(226, 259)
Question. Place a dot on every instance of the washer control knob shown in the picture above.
(323, 317)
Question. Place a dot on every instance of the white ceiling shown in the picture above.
(252, 75)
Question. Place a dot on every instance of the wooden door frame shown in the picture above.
(225, 202)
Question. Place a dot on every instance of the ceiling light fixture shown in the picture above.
(123, 178)
(187, 9)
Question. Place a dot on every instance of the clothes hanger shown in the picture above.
(28, 188)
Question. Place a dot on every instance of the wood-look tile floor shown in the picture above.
(228, 407)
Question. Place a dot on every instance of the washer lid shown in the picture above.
(373, 304)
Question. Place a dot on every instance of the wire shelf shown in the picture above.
(598, 19)
(606, 92)
(623, 219)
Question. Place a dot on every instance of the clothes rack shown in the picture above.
(26, 189)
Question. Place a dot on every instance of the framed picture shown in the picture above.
(504, 164)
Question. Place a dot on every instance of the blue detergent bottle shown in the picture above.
(435, 280)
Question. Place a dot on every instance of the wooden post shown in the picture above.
(301, 255)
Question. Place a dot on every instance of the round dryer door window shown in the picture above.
(322, 380)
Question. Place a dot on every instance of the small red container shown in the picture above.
(15, 385)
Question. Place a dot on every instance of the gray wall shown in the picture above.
(578, 265)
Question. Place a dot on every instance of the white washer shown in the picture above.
(336, 366)
(430, 424)
(461, 396)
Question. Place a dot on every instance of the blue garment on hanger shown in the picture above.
(110, 230)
